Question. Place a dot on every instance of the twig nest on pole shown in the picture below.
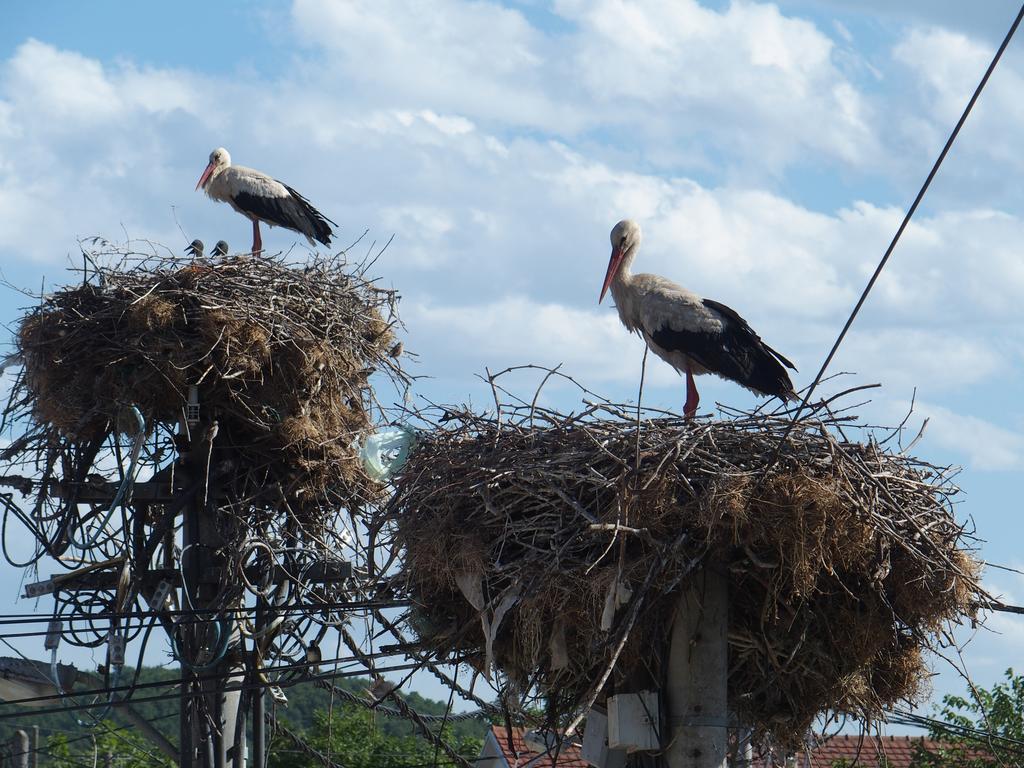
(279, 355)
(543, 549)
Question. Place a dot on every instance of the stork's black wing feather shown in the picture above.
(736, 352)
(733, 316)
(291, 212)
(321, 224)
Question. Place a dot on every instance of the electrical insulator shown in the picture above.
(53, 632)
(115, 645)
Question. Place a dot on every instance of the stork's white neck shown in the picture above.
(625, 273)
(622, 284)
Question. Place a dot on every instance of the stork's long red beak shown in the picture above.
(613, 268)
(205, 177)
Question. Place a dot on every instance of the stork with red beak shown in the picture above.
(258, 197)
(692, 334)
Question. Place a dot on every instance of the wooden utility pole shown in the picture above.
(697, 675)
(213, 719)
(259, 741)
(190, 570)
(213, 732)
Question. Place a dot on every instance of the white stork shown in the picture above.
(220, 249)
(692, 334)
(261, 198)
(195, 249)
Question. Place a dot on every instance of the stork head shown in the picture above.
(625, 238)
(219, 160)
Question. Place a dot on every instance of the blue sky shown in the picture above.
(767, 150)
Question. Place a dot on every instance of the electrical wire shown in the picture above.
(106, 727)
(899, 233)
(901, 717)
(348, 605)
(177, 695)
(294, 667)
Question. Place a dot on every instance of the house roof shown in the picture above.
(522, 756)
(866, 751)
(856, 751)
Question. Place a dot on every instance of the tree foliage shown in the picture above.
(105, 745)
(70, 742)
(352, 736)
(986, 729)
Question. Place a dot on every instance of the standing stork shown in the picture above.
(261, 198)
(692, 334)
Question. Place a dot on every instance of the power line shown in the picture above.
(309, 608)
(900, 717)
(250, 686)
(174, 681)
(448, 717)
(899, 232)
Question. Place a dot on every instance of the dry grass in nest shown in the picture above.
(281, 356)
(843, 560)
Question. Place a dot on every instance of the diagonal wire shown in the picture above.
(899, 233)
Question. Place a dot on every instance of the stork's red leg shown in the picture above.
(257, 241)
(692, 398)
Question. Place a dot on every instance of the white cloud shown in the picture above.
(432, 225)
(66, 92)
(500, 152)
(83, 148)
(480, 218)
(1001, 628)
(746, 81)
(935, 361)
(590, 344)
(64, 86)
(989, 19)
(945, 67)
(478, 58)
(522, 215)
(947, 63)
(714, 240)
(750, 78)
(986, 446)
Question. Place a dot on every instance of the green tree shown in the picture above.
(90, 747)
(998, 711)
(352, 737)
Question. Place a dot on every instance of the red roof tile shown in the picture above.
(867, 751)
(855, 751)
(520, 755)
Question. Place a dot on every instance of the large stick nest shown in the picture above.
(844, 560)
(281, 356)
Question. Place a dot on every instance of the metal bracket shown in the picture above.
(160, 594)
(40, 588)
(192, 407)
